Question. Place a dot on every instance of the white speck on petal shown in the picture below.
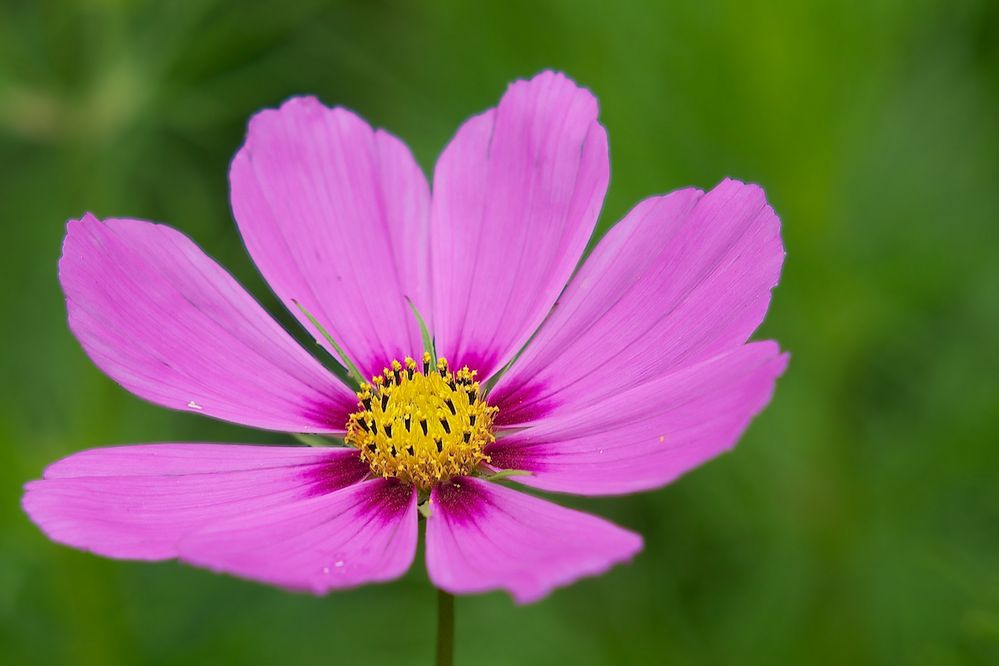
(338, 563)
(194, 405)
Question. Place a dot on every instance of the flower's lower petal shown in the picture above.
(482, 536)
(138, 502)
(362, 534)
(648, 436)
(299, 518)
(516, 195)
(682, 278)
(336, 216)
(172, 326)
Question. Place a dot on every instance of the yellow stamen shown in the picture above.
(421, 427)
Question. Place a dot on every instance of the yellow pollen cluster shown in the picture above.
(421, 427)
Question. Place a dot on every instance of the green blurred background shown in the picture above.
(858, 521)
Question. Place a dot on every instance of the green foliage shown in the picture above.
(857, 520)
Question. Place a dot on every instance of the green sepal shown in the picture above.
(352, 370)
(317, 440)
(428, 340)
(424, 509)
(505, 473)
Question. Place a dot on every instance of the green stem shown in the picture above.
(445, 629)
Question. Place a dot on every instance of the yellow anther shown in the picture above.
(421, 427)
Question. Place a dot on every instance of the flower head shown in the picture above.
(422, 426)
(616, 378)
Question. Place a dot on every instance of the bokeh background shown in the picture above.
(857, 522)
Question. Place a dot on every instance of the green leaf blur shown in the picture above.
(858, 520)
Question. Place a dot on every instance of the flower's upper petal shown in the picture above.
(336, 216)
(680, 279)
(138, 502)
(482, 536)
(516, 196)
(298, 518)
(172, 326)
(649, 435)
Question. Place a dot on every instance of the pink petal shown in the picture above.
(482, 536)
(138, 501)
(295, 517)
(516, 195)
(649, 435)
(681, 279)
(169, 324)
(363, 534)
(336, 216)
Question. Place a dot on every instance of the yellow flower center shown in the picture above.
(421, 427)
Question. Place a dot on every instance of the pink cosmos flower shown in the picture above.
(615, 379)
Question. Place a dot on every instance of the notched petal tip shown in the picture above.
(296, 109)
(751, 191)
(554, 79)
(75, 227)
(294, 104)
